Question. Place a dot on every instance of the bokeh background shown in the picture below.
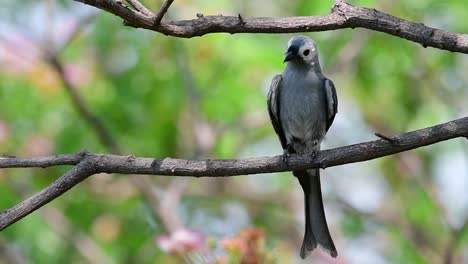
(205, 97)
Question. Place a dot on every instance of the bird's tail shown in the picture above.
(316, 228)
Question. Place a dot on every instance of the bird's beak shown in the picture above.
(290, 55)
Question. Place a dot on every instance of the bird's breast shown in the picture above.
(302, 109)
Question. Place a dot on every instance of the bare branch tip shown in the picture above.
(390, 140)
(241, 20)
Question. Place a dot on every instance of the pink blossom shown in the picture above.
(18, 54)
(79, 73)
(181, 241)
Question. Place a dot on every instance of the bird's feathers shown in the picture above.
(332, 101)
(274, 106)
(316, 230)
(302, 105)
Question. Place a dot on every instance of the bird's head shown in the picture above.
(302, 50)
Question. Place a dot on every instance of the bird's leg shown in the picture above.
(286, 153)
(314, 151)
(316, 148)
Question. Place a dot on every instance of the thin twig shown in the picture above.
(77, 30)
(80, 105)
(159, 16)
(388, 139)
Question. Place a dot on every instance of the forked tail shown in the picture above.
(316, 228)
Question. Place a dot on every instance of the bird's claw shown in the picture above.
(287, 153)
(313, 154)
(285, 156)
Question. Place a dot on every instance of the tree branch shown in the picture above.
(109, 163)
(40, 162)
(88, 164)
(343, 15)
(74, 176)
(162, 11)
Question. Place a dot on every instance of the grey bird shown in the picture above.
(302, 105)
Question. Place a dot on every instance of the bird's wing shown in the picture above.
(274, 108)
(332, 101)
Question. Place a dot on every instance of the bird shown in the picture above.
(302, 104)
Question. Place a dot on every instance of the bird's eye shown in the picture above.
(306, 52)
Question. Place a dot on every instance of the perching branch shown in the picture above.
(88, 164)
(343, 15)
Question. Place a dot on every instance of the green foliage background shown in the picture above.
(206, 98)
